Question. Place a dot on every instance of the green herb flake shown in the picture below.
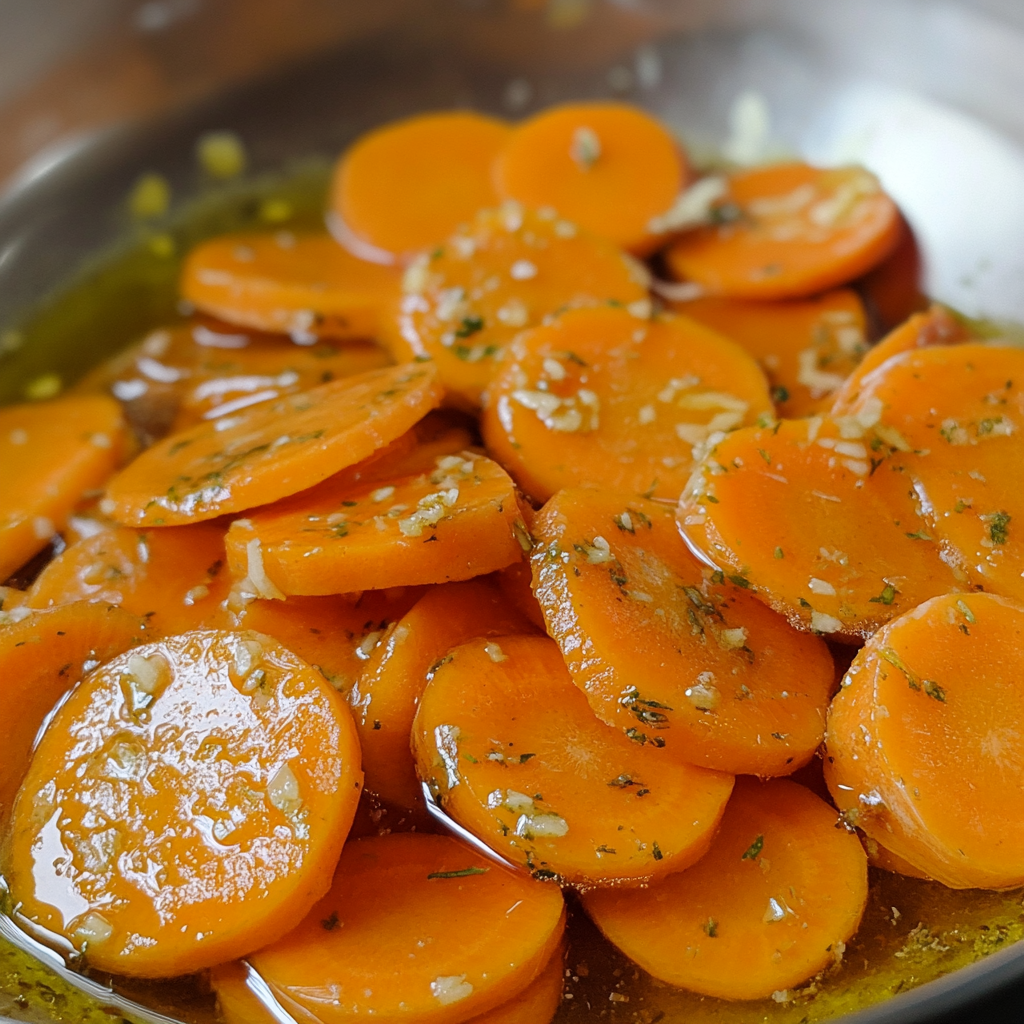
(933, 690)
(779, 553)
(656, 851)
(966, 612)
(461, 873)
(887, 596)
(469, 326)
(764, 455)
(739, 581)
(780, 394)
(754, 849)
(918, 535)
(330, 923)
(998, 527)
(710, 928)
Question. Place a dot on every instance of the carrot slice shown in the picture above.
(516, 583)
(609, 167)
(936, 326)
(171, 579)
(240, 1000)
(307, 286)
(926, 740)
(600, 398)
(508, 270)
(513, 752)
(893, 291)
(411, 183)
(806, 347)
(52, 452)
(954, 415)
(272, 450)
(780, 892)
(675, 655)
(42, 655)
(418, 929)
(886, 860)
(393, 679)
(790, 231)
(336, 635)
(838, 546)
(196, 792)
(452, 518)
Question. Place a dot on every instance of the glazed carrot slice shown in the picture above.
(780, 891)
(926, 740)
(42, 655)
(513, 752)
(416, 928)
(935, 326)
(452, 518)
(242, 997)
(198, 792)
(173, 580)
(337, 634)
(886, 860)
(954, 415)
(893, 291)
(516, 583)
(271, 451)
(790, 231)
(307, 286)
(609, 167)
(838, 546)
(673, 654)
(599, 398)
(411, 183)
(51, 453)
(511, 268)
(806, 347)
(389, 688)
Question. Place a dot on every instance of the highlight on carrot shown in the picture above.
(52, 453)
(240, 998)
(935, 326)
(336, 635)
(847, 548)
(243, 761)
(789, 231)
(410, 183)
(682, 659)
(307, 286)
(513, 752)
(384, 701)
(272, 450)
(469, 935)
(926, 740)
(174, 580)
(42, 655)
(954, 413)
(598, 397)
(806, 347)
(467, 298)
(780, 892)
(609, 167)
(452, 518)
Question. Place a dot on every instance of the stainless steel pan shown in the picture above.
(929, 93)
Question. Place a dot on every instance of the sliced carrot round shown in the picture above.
(935, 326)
(393, 679)
(838, 545)
(336, 634)
(676, 656)
(42, 655)
(790, 231)
(894, 290)
(452, 518)
(954, 415)
(511, 268)
(195, 795)
(242, 997)
(272, 450)
(609, 167)
(599, 398)
(516, 583)
(174, 580)
(806, 347)
(771, 904)
(514, 753)
(51, 453)
(416, 929)
(411, 183)
(926, 740)
(307, 286)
